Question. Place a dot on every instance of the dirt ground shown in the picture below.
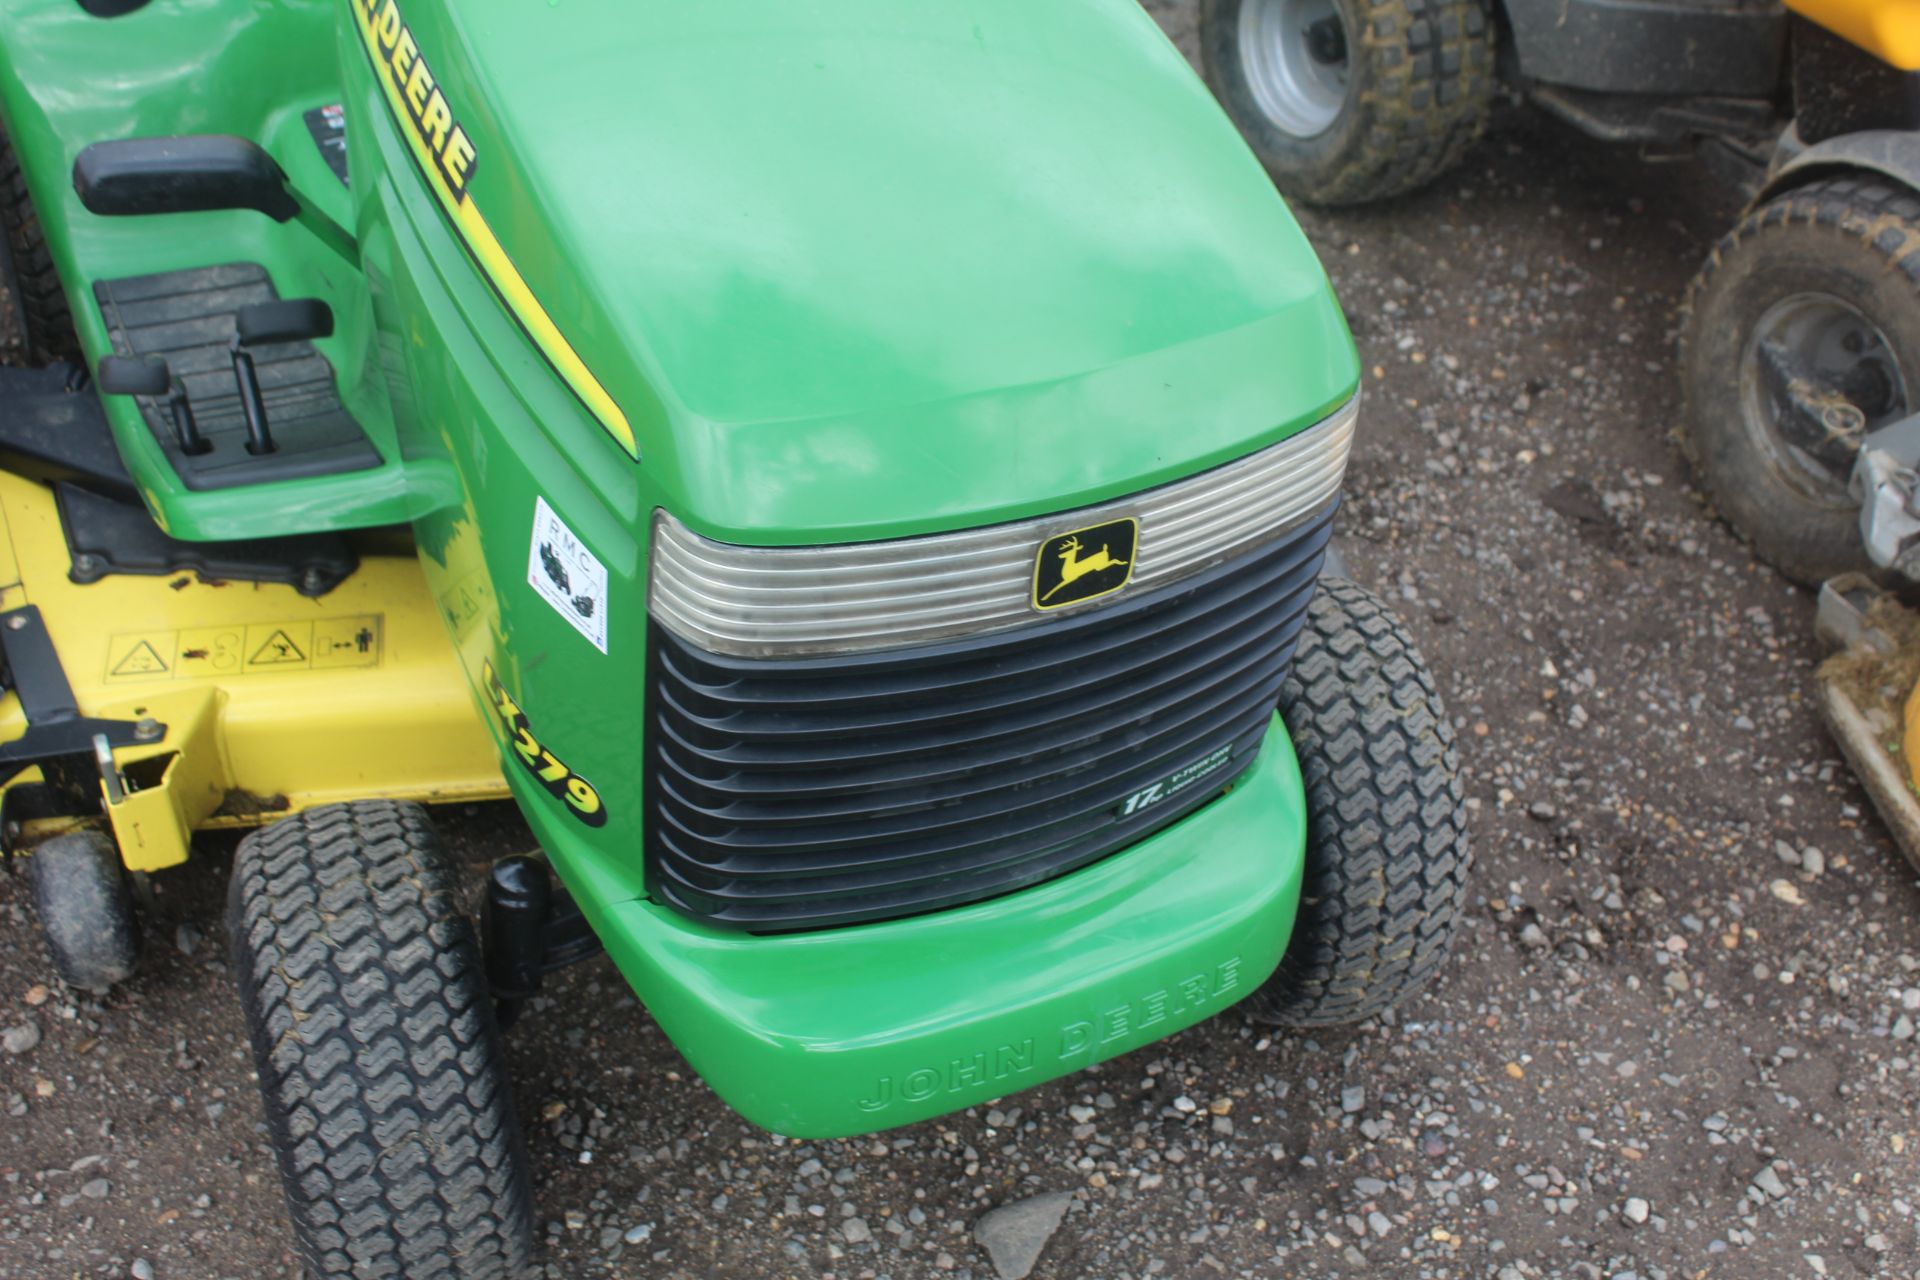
(1677, 1037)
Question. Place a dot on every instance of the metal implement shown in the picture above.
(1882, 747)
(54, 728)
(1886, 483)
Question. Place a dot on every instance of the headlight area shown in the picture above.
(863, 732)
(855, 597)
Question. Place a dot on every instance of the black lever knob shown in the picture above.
(134, 376)
(150, 376)
(287, 320)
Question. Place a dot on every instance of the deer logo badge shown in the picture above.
(1084, 564)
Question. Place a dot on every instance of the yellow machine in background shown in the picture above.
(239, 702)
(1800, 366)
(1887, 29)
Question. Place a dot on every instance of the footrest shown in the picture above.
(52, 417)
(188, 318)
(106, 536)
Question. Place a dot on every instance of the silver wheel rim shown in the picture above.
(1295, 56)
(1839, 347)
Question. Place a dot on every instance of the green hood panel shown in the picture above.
(906, 266)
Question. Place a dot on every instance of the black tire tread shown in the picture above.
(47, 326)
(1387, 853)
(379, 1061)
(1427, 83)
(1859, 211)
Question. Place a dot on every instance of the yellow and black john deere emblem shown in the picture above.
(1083, 565)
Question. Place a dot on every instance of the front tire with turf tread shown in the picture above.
(1853, 236)
(380, 1066)
(1387, 856)
(1420, 83)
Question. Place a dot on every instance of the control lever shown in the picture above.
(263, 324)
(149, 376)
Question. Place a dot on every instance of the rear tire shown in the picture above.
(85, 904)
(1837, 248)
(29, 285)
(1347, 101)
(1387, 856)
(386, 1095)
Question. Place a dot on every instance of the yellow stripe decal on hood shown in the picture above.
(446, 158)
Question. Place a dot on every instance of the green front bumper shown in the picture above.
(846, 1031)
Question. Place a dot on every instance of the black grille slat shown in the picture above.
(798, 793)
(811, 684)
(1178, 654)
(1158, 714)
(816, 904)
(1066, 811)
(767, 776)
(836, 743)
(1049, 722)
(1001, 851)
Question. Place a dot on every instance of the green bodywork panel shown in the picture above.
(845, 1031)
(848, 273)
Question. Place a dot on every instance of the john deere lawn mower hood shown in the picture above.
(859, 275)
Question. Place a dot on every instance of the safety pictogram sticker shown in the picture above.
(345, 642)
(277, 650)
(135, 657)
(260, 648)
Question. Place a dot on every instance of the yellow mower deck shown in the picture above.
(271, 701)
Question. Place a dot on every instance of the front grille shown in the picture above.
(796, 793)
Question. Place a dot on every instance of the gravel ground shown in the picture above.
(1677, 1039)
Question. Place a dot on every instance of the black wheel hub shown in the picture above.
(1327, 42)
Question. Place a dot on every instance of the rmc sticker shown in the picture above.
(567, 575)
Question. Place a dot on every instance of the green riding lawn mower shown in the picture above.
(858, 478)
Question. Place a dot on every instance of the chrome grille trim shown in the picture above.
(861, 596)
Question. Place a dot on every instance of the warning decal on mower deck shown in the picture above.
(214, 653)
(279, 650)
(141, 660)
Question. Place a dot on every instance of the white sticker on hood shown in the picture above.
(567, 575)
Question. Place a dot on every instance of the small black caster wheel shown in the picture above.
(86, 909)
